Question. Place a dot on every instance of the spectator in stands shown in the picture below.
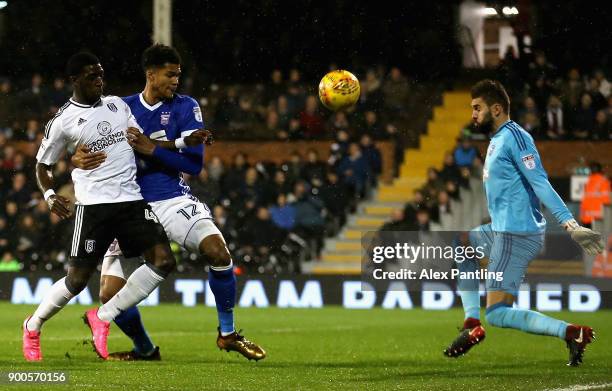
(604, 85)
(443, 203)
(273, 128)
(215, 169)
(449, 171)
(554, 119)
(541, 92)
(596, 195)
(465, 152)
(311, 122)
(33, 100)
(529, 116)
(572, 89)
(452, 190)
(233, 179)
(354, 171)
(6, 239)
(339, 149)
(598, 99)
(372, 97)
(275, 88)
(245, 118)
(283, 214)
(422, 219)
(228, 107)
(279, 184)
(309, 222)
(29, 240)
(372, 127)
(30, 132)
(603, 126)
(8, 105)
(541, 69)
(339, 121)
(204, 187)
(20, 192)
(372, 156)
(583, 121)
(59, 94)
(335, 197)
(294, 167)
(252, 186)
(295, 92)
(284, 115)
(314, 170)
(260, 234)
(396, 90)
(8, 263)
(398, 222)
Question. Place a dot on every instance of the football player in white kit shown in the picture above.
(165, 115)
(109, 205)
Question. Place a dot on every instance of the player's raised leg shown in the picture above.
(112, 279)
(138, 229)
(510, 256)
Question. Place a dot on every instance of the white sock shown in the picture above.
(138, 286)
(57, 297)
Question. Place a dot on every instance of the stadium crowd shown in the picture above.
(271, 215)
(554, 105)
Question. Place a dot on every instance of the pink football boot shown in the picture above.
(99, 332)
(31, 343)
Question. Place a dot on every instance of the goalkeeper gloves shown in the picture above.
(588, 239)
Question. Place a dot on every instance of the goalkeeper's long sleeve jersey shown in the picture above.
(515, 182)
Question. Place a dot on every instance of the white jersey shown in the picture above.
(102, 127)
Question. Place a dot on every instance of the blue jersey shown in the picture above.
(159, 176)
(515, 182)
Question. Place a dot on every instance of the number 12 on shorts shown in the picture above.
(189, 211)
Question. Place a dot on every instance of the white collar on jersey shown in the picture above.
(148, 106)
(77, 104)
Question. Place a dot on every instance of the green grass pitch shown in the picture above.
(330, 348)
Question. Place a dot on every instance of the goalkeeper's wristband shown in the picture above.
(570, 225)
(179, 143)
(48, 194)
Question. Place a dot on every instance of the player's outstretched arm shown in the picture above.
(144, 145)
(527, 158)
(57, 204)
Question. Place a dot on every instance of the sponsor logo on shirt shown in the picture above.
(90, 246)
(112, 107)
(104, 128)
(107, 141)
(529, 161)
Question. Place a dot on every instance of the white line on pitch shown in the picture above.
(582, 387)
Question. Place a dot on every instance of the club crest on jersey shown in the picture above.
(90, 246)
(529, 161)
(104, 128)
(165, 117)
(112, 107)
(491, 149)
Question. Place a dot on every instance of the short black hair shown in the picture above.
(78, 61)
(158, 55)
(492, 92)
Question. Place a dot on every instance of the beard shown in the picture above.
(486, 126)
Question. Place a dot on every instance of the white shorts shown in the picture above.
(186, 221)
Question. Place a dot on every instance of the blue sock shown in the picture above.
(468, 289)
(130, 323)
(223, 286)
(502, 315)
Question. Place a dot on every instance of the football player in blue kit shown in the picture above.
(165, 150)
(515, 183)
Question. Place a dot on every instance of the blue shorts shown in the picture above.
(508, 253)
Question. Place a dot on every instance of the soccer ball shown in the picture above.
(339, 90)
